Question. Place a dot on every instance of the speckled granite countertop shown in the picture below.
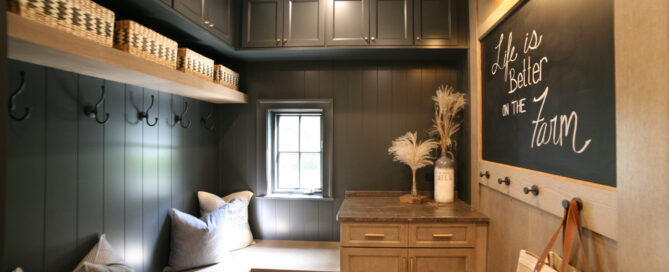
(385, 206)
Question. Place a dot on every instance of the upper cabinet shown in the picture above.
(283, 23)
(439, 22)
(370, 22)
(214, 15)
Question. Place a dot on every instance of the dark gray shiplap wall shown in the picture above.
(374, 102)
(3, 124)
(71, 179)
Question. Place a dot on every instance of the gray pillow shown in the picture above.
(197, 242)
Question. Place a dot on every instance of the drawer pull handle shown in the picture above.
(375, 235)
(442, 235)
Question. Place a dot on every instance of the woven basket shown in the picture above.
(82, 18)
(195, 64)
(145, 43)
(226, 77)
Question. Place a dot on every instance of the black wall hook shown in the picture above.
(92, 111)
(506, 181)
(12, 97)
(485, 174)
(565, 203)
(179, 118)
(534, 189)
(204, 121)
(144, 115)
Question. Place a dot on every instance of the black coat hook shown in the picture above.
(506, 181)
(179, 118)
(565, 203)
(12, 97)
(92, 111)
(144, 115)
(204, 121)
(534, 189)
(485, 174)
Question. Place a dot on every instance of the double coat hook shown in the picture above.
(16, 93)
(144, 115)
(205, 120)
(179, 119)
(92, 111)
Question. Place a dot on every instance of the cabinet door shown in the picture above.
(303, 22)
(192, 9)
(391, 22)
(373, 260)
(441, 260)
(435, 22)
(220, 15)
(262, 24)
(347, 22)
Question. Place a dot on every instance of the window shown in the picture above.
(297, 147)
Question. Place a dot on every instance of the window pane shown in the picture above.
(289, 129)
(289, 176)
(310, 134)
(310, 171)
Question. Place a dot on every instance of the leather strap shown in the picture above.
(570, 224)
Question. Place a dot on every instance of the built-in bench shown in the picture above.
(284, 256)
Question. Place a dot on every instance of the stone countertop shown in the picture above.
(376, 206)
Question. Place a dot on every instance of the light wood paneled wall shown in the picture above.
(374, 102)
(71, 179)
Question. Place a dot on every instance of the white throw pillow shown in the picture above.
(236, 230)
(197, 241)
(102, 258)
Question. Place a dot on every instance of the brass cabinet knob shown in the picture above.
(278, 40)
(365, 38)
(373, 38)
(285, 40)
(417, 38)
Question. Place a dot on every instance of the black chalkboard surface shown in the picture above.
(548, 91)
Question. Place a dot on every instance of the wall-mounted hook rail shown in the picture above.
(485, 174)
(92, 111)
(12, 97)
(534, 189)
(505, 180)
(144, 115)
(204, 121)
(179, 118)
(565, 203)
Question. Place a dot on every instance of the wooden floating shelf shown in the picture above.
(32, 42)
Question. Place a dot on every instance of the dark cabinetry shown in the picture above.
(369, 22)
(439, 22)
(278, 23)
(214, 15)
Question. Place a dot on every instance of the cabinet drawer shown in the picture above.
(441, 235)
(374, 235)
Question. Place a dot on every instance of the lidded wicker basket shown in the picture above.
(83, 18)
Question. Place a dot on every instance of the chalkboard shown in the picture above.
(548, 90)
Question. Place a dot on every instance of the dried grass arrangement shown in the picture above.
(408, 150)
(447, 104)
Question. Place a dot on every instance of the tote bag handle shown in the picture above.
(570, 222)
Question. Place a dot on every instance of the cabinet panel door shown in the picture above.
(435, 22)
(391, 22)
(262, 23)
(373, 260)
(441, 260)
(192, 9)
(220, 14)
(348, 22)
(303, 22)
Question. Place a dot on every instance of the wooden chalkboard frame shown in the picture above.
(600, 201)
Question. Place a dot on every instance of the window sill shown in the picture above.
(296, 197)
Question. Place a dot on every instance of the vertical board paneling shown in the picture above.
(133, 178)
(27, 150)
(72, 179)
(374, 103)
(150, 180)
(89, 166)
(114, 166)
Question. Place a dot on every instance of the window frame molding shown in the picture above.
(262, 108)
